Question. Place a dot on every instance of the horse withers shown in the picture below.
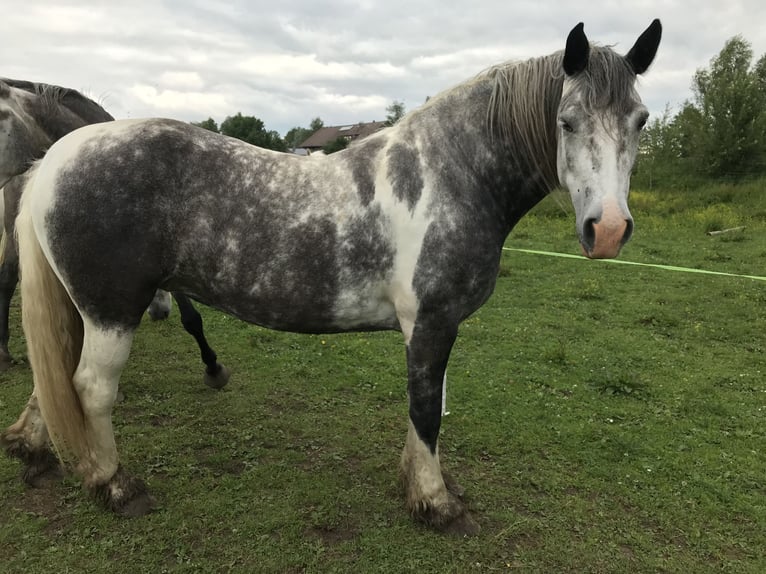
(402, 231)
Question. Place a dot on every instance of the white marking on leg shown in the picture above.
(422, 472)
(30, 428)
(96, 379)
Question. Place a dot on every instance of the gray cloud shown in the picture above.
(343, 61)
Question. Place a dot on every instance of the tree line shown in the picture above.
(718, 135)
(252, 130)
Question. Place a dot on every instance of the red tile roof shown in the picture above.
(325, 135)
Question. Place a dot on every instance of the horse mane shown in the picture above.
(52, 97)
(526, 96)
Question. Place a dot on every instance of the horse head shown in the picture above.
(600, 117)
(33, 116)
(21, 140)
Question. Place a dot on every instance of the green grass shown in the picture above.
(604, 418)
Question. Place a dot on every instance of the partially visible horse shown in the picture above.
(32, 117)
(402, 231)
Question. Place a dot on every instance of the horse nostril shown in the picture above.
(589, 233)
(628, 231)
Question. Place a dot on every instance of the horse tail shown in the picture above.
(54, 334)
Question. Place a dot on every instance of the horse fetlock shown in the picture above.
(124, 495)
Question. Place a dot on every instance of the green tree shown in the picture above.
(335, 145)
(731, 102)
(668, 156)
(208, 124)
(252, 130)
(297, 135)
(316, 124)
(395, 112)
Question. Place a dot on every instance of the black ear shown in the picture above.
(576, 52)
(642, 53)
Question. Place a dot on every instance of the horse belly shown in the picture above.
(313, 279)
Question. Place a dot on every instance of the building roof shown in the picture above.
(325, 135)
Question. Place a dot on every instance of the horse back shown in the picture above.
(275, 239)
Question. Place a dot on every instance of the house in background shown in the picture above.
(350, 133)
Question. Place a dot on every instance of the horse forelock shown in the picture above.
(608, 82)
(526, 97)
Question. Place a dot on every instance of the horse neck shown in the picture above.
(501, 174)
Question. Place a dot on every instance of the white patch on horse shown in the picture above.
(408, 230)
(425, 483)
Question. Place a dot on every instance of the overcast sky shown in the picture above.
(288, 61)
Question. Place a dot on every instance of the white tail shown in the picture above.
(54, 332)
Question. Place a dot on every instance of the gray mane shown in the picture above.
(525, 99)
(52, 99)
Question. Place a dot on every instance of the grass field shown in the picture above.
(604, 418)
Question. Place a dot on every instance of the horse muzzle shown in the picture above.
(603, 237)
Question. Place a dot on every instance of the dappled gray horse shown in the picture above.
(32, 117)
(402, 231)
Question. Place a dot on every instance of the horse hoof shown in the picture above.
(450, 516)
(218, 380)
(464, 526)
(40, 466)
(6, 362)
(140, 505)
(42, 469)
(159, 315)
(125, 495)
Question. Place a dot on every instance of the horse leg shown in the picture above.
(9, 264)
(216, 375)
(104, 353)
(9, 277)
(27, 440)
(160, 306)
(429, 498)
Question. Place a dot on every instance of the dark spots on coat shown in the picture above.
(363, 162)
(194, 212)
(456, 270)
(364, 247)
(5, 114)
(593, 153)
(405, 174)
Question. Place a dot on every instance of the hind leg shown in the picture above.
(27, 440)
(96, 379)
(216, 375)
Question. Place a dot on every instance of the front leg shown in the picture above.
(429, 499)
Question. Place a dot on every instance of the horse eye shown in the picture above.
(566, 126)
